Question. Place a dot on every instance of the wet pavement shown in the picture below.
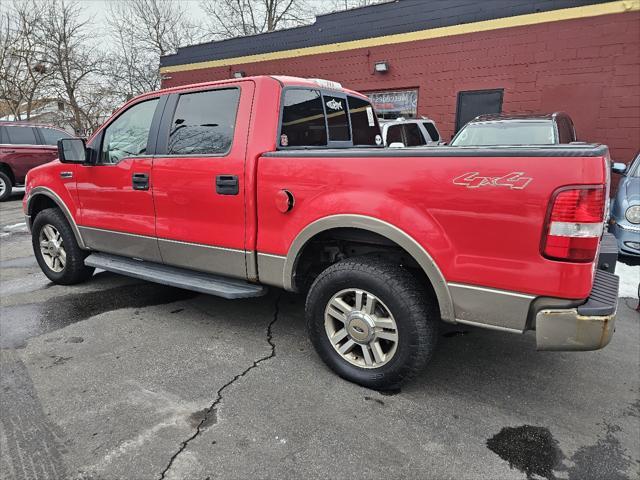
(121, 379)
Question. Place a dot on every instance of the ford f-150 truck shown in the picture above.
(232, 186)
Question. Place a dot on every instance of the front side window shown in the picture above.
(204, 123)
(127, 135)
(50, 136)
(337, 120)
(364, 124)
(21, 135)
(303, 122)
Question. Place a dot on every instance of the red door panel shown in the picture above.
(188, 208)
(109, 201)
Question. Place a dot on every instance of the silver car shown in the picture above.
(624, 222)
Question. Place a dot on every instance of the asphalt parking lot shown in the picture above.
(121, 379)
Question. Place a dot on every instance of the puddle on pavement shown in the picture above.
(18, 323)
(532, 450)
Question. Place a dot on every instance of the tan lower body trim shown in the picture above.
(271, 269)
(490, 308)
(121, 243)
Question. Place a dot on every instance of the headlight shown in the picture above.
(633, 214)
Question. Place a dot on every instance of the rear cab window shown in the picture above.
(312, 118)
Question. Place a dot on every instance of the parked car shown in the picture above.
(413, 132)
(231, 186)
(625, 208)
(542, 129)
(22, 147)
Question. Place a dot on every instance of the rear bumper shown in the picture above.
(589, 326)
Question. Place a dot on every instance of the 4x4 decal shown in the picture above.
(513, 180)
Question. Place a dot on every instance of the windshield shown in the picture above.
(505, 133)
(634, 170)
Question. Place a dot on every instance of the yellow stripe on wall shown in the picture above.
(620, 6)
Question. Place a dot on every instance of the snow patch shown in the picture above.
(629, 280)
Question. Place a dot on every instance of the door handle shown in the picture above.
(227, 185)
(140, 181)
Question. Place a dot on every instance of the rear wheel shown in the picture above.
(56, 249)
(371, 322)
(6, 185)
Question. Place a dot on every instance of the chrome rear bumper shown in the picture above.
(587, 327)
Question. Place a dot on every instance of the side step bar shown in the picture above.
(176, 277)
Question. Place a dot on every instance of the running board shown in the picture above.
(175, 277)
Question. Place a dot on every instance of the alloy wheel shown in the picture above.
(361, 328)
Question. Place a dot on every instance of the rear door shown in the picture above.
(199, 189)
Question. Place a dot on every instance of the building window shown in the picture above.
(399, 103)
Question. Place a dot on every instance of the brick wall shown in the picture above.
(588, 67)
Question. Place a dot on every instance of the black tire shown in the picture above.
(413, 308)
(5, 181)
(74, 270)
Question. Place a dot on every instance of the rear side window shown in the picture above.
(414, 135)
(50, 136)
(303, 122)
(337, 120)
(204, 122)
(21, 135)
(364, 124)
(432, 131)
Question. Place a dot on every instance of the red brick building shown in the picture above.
(450, 59)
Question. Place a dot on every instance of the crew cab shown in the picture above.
(233, 186)
(22, 147)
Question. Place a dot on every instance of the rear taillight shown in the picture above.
(574, 224)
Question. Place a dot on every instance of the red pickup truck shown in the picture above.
(231, 186)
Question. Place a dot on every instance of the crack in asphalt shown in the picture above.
(211, 410)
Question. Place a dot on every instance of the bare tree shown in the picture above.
(24, 75)
(327, 6)
(72, 55)
(143, 31)
(236, 18)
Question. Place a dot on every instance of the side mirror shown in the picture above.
(618, 167)
(396, 145)
(72, 150)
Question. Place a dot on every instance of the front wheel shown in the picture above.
(56, 249)
(6, 186)
(371, 322)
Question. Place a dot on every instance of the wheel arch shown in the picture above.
(41, 198)
(383, 229)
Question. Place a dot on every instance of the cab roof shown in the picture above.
(285, 81)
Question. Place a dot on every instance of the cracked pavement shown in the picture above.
(121, 379)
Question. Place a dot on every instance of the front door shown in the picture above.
(199, 181)
(115, 192)
(477, 102)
